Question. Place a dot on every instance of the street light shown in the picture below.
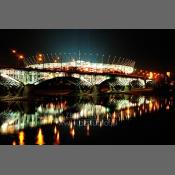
(20, 58)
(13, 51)
(40, 59)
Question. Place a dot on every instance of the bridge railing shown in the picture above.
(79, 71)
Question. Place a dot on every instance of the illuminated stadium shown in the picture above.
(59, 63)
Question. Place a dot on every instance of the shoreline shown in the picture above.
(31, 98)
(137, 92)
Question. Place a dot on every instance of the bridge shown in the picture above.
(81, 75)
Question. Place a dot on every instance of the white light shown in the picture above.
(4, 127)
(87, 65)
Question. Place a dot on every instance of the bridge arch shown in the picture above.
(117, 84)
(150, 83)
(61, 85)
(9, 85)
(136, 84)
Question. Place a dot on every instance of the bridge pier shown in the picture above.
(28, 90)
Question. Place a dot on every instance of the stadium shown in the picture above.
(61, 63)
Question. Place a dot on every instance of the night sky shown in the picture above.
(151, 49)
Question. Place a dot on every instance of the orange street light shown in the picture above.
(150, 75)
(13, 51)
(21, 57)
(40, 59)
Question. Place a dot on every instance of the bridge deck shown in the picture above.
(109, 73)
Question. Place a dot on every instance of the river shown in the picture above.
(108, 119)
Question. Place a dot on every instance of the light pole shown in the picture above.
(61, 63)
(40, 59)
(20, 58)
(13, 51)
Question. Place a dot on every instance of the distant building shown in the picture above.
(86, 66)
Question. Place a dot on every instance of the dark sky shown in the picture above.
(151, 49)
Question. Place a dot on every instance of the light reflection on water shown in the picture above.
(40, 137)
(73, 113)
(21, 138)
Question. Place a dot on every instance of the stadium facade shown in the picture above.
(86, 66)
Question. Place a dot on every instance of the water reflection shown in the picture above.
(14, 142)
(55, 130)
(72, 132)
(40, 138)
(56, 136)
(73, 113)
(21, 138)
(88, 129)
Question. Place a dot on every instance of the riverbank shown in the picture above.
(31, 98)
(145, 91)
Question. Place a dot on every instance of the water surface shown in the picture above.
(107, 119)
